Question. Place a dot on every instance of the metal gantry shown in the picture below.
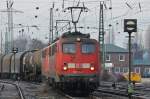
(9, 35)
(67, 22)
(10, 24)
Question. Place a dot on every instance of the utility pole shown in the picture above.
(51, 26)
(63, 4)
(101, 32)
(10, 11)
(1, 42)
(6, 42)
(111, 33)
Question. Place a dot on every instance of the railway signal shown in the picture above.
(130, 26)
(14, 51)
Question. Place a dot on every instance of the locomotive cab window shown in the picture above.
(88, 48)
(69, 48)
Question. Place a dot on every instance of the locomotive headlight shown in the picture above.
(78, 39)
(65, 68)
(92, 68)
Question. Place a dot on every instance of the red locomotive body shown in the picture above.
(72, 61)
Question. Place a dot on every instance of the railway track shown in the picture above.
(16, 85)
(118, 95)
(68, 96)
(107, 90)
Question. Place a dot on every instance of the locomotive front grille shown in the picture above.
(79, 65)
(71, 65)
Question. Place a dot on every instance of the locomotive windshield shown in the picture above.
(69, 48)
(88, 48)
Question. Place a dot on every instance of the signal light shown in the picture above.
(130, 25)
(78, 39)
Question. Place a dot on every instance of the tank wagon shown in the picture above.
(6, 66)
(17, 65)
(23, 65)
(27, 66)
(1, 62)
(36, 65)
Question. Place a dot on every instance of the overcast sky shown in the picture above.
(120, 9)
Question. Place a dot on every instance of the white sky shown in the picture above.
(119, 11)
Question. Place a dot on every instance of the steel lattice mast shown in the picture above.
(101, 33)
(9, 35)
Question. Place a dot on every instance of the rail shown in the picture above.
(20, 92)
(65, 95)
(108, 92)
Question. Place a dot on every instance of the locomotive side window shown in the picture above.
(88, 48)
(69, 48)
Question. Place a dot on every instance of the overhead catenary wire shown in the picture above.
(87, 2)
(42, 11)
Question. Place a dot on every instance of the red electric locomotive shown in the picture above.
(72, 61)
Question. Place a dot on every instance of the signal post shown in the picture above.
(14, 51)
(130, 26)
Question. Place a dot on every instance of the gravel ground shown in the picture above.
(31, 91)
(146, 82)
(8, 91)
(41, 91)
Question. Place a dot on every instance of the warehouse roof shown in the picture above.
(144, 60)
(141, 62)
(114, 48)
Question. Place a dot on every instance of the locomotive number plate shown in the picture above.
(78, 66)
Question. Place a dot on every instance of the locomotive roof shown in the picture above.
(75, 34)
(72, 35)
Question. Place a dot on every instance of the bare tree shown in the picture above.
(26, 43)
(36, 44)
